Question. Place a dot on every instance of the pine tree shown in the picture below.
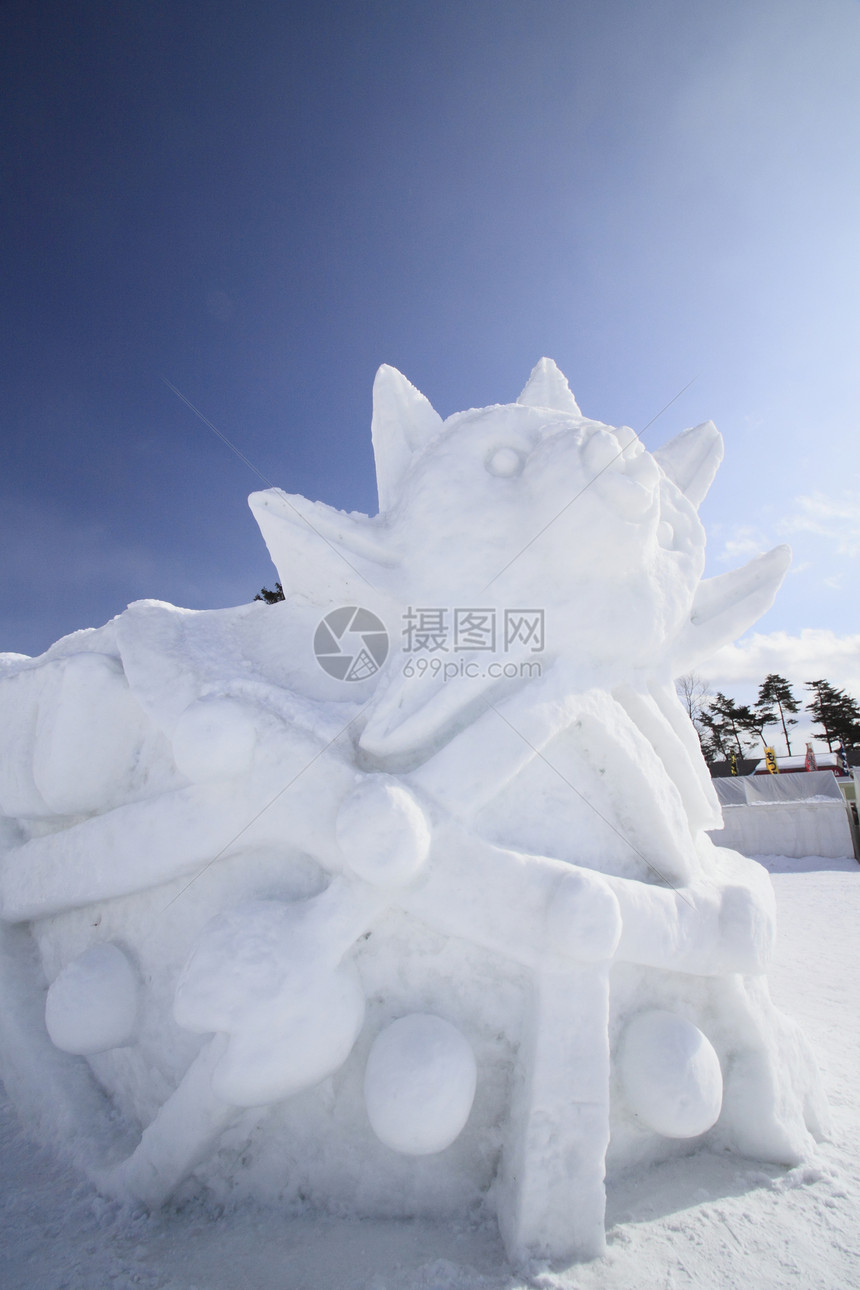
(836, 712)
(754, 720)
(713, 734)
(728, 724)
(775, 689)
(271, 597)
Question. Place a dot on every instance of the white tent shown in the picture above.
(792, 815)
(797, 762)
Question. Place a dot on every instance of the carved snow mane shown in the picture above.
(428, 938)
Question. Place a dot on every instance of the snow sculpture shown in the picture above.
(429, 917)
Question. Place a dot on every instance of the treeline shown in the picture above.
(725, 727)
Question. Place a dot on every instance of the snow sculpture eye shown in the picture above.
(505, 462)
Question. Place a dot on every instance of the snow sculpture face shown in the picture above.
(360, 925)
(501, 503)
(605, 513)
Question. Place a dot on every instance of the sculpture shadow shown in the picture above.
(684, 1183)
(808, 864)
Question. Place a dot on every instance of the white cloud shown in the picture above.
(743, 543)
(834, 518)
(813, 654)
(808, 656)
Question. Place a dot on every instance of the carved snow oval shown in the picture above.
(671, 1075)
(419, 1084)
(91, 1006)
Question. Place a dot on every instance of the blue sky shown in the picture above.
(263, 202)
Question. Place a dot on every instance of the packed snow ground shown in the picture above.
(703, 1221)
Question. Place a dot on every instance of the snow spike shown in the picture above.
(725, 606)
(691, 460)
(547, 387)
(320, 552)
(404, 422)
